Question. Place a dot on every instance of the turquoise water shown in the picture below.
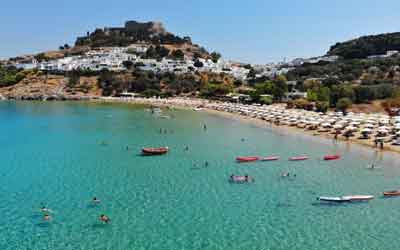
(63, 154)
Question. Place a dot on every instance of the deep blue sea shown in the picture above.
(62, 154)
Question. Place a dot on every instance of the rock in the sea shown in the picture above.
(2, 98)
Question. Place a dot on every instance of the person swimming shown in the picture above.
(44, 209)
(206, 164)
(104, 218)
(285, 174)
(47, 217)
(95, 200)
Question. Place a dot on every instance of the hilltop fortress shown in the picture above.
(132, 32)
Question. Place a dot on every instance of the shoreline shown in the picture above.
(190, 103)
(207, 106)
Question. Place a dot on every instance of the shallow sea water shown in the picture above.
(63, 154)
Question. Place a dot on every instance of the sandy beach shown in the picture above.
(208, 106)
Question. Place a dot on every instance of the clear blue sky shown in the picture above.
(253, 31)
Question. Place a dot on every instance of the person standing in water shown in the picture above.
(205, 127)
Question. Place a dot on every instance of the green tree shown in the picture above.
(266, 100)
(198, 64)
(280, 88)
(343, 104)
(127, 64)
(178, 54)
(322, 107)
(215, 56)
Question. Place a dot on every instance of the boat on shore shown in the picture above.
(247, 159)
(270, 158)
(298, 158)
(155, 151)
(331, 157)
(391, 193)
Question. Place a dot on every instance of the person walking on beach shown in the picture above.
(381, 144)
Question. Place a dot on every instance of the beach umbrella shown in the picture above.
(326, 125)
(354, 123)
(338, 126)
(384, 121)
(384, 127)
(382, 131)
(366, 130)
(369, 125)
(351, 128)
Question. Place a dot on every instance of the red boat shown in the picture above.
(247, 159)
(391, 193)
(270, 158)
(331, 157)
(298, 158)
(155, 151)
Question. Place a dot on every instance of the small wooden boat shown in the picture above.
(247, 159)
(359, 197)
(333, 199)
(240, 179)
(155, 151)
(391, 193)
(298, 158)
(331, 157)
(270, 158)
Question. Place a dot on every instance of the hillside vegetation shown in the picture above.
(366, 46)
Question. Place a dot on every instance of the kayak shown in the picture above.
(298, 158)
(359, 197)
(271, 158)
(155, 151)
(333, 199)
(247, 159)
(331, 157)
(391, 193)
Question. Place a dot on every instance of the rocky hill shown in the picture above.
(149, 33)
(366, 46)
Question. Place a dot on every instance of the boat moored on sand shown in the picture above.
(155, 151)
